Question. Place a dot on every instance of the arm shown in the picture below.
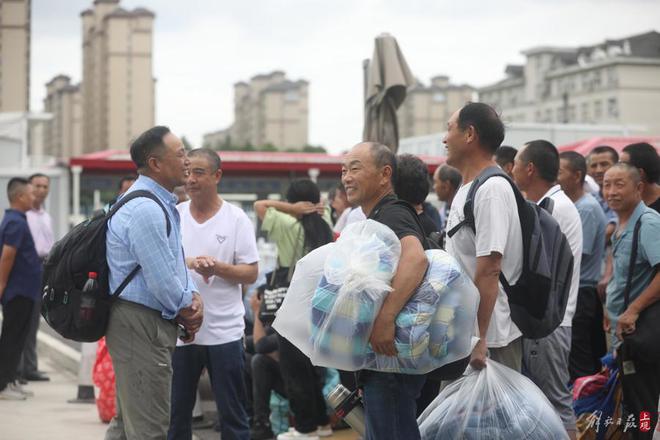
(409, 274)
(486, 279)
(235, 273)
(258, 331)
(607, 274)
(161, 268)
(650, 295)
(294, 209)
(6, 264)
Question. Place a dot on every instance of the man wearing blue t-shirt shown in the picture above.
(20, 274)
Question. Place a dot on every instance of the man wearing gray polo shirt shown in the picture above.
(588, 337)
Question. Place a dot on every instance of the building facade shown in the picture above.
(427, 109)
(14, 55)
(118, 88)
(613, 82)
(270, 110)
(63, 133)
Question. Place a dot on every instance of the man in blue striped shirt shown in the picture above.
(142, 331)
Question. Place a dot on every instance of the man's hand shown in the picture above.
(192, 316)
(205, 266)
(382, 335)
(601, 288)
(255, 304)
(479, 354)
(606, 322)
(626, 323)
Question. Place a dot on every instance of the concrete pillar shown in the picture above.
(76, 171)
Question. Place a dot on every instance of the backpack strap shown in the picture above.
(468, 208)
(115, 207)
(631, 264)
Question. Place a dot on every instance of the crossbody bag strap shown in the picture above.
(631, 264)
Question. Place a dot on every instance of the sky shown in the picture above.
(202, 47)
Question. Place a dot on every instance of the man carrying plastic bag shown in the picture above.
(493, 403)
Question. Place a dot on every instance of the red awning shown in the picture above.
(584, 147)
(244, 162)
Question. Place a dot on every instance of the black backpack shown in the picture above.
(66, 270)
(539, 297)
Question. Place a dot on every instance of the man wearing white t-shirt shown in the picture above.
(545, 360)
(473, 134)
(221, 249)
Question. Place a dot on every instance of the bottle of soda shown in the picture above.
(88, 298)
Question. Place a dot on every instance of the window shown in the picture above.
(584, 112)
(291, 95)
(560, 114)
(598, 110)
(612, 108)
(439, 97)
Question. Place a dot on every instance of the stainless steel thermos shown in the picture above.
(348, 406)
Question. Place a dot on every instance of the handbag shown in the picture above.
(276, 289)
(642, 344)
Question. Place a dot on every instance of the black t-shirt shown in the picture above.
(427, 223)
(397, 217)
(655, 205)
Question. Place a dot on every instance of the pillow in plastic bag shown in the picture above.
(434, 328)
(494, 403)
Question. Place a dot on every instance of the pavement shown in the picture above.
(48, 416)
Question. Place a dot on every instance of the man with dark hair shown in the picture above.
(221, 246)
(497, 246)
(41, 228)
(546, 360)
(125, 183)
(588, 343)
(142, 330)
(368, 173)
(412, 185)
(600, 160)
(20, 275)
(640, 379)
(645, 158)
(446, 182)
(504, 156)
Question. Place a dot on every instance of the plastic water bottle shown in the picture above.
(88, 297)
(348, 406)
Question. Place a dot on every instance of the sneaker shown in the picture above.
(9, 393)
(324, 431)
(292, 434)
(261, 430)
(19, 389)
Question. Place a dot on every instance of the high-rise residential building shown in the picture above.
(269, 110)
(426, 109)
(615, 82)
(14, 55)
(63, 133)
(118, 88)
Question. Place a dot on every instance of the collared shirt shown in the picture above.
(25, 275)
(609, 212)
(648, 258)
(137, 234)
(594, 224)
(41, 227)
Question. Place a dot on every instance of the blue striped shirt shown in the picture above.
(137, 234)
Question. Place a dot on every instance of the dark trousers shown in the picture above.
(641, 391)
(390, 405)
(588, 343)
(304, 387)
(29, 363)
(225, 364)
(266, 377)
(15, 324)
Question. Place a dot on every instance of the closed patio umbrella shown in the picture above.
(387, 78)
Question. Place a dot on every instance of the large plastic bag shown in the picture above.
(494, 403)
(356, 280)
(104, 377)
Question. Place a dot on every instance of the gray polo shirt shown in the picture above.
(594, 224)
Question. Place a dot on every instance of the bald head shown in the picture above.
(368, 173)
(631, 171)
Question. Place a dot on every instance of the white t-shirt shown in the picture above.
(570, 224)
(229, 237)
(498, 230)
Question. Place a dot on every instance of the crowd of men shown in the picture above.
(183, 312)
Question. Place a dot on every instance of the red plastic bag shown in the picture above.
(104, 378)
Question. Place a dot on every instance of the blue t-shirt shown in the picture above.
(25, 276)
(610, 215)
(648, 258)
(594, 224)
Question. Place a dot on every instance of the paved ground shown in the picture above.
(48, 416)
